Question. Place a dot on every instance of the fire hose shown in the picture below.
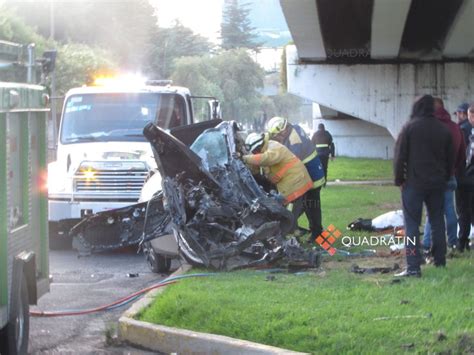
(119, 303)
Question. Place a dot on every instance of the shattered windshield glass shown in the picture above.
(212, 149)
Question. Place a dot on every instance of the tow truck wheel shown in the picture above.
(158, 263)
(15, 334)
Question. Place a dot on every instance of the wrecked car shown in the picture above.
(211, 211)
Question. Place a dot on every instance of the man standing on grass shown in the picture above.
(465, 192)
(322, 139)
(422, 166)
(459, 149)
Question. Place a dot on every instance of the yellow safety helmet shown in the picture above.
(276, 125)
(254, 141)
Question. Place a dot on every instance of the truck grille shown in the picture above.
(118, 180)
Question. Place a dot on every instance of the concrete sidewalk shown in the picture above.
(360, 182)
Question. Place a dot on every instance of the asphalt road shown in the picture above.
(82, 283)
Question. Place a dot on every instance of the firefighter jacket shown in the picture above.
(283, 169)
(300, 145)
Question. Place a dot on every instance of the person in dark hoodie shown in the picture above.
(423, 164)
(465, 192)
(463, 122)
(459, 149)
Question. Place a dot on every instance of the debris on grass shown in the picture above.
(395, 281)
(440, 336)
(373, 270)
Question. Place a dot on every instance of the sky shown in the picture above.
(203, 17)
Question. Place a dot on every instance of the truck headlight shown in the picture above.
(89, 174)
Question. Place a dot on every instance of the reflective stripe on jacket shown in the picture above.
(284, 169)
(322, 139)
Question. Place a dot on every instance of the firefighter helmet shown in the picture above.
(276, 125)
(254, 141)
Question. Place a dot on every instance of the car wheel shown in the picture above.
(15, 334)
(158, 263)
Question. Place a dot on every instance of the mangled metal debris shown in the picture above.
(217, 213)
(374, 270)
(120, 227)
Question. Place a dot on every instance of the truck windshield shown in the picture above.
(118, 117)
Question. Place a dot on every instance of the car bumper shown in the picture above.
(63, 210)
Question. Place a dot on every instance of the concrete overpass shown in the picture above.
(369, 59)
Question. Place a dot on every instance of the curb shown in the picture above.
(360, 182)
(174, 340)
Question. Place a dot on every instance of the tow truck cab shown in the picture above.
(103, 159)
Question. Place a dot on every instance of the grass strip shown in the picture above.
(333, 312)
(357, 169)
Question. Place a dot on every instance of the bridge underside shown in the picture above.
(371, 58)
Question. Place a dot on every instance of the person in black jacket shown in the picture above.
(465, 191)
(322, 139)
(463, 121)
(422, 166)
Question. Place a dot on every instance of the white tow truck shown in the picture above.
(103, 159)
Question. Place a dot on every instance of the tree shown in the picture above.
(14, 29)
(169, 44)
(78, 64)
(121, 27)
(239, 78)
(75, 63)
(236, 29)
(200, 76)
(231, 76)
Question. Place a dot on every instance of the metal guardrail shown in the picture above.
(10, 52)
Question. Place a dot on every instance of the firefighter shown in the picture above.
(322, 139)
(295, 139)
(281, 167)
